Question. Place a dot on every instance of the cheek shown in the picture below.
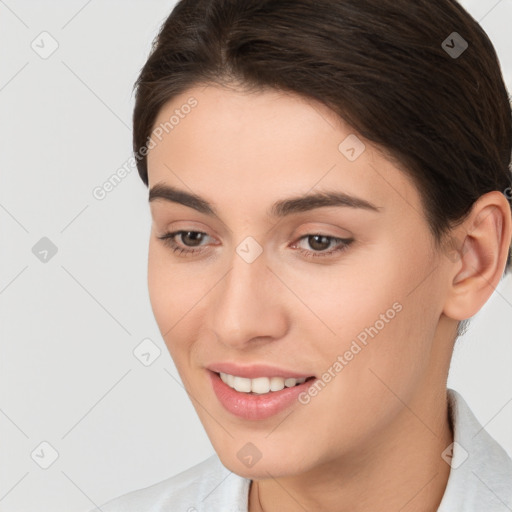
(168, 296)
(159, 287)
(177, 296)
(347, 300)
(376, 318)
(173, 289)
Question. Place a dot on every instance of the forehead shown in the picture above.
(271, 144)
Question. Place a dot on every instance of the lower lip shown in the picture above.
(254, 406)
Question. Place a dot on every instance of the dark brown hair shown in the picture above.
(381, 65)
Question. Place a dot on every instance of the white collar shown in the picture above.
(481, 471)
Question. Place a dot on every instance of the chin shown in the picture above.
(261, 470)
(262, 462)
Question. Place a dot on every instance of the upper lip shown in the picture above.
(255, 370)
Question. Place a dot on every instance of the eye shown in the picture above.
(193, 238)
(320, 242)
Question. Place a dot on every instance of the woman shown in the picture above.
(330, 191)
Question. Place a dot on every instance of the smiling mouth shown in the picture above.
(260, 385)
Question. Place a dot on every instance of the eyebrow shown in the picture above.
(280, 208)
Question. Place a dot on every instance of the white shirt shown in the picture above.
(480, 478)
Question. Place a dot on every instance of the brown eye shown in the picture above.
(318, 245)
(319, 242)
(183, 242)
(195, 237)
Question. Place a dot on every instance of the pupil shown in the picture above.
(196, 238)
(318, 246)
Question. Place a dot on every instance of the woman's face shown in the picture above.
(266, 283)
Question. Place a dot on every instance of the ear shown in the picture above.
(481, 255)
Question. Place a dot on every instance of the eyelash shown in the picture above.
(168, 239)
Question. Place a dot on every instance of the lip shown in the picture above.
(253, 407)
(255, 370)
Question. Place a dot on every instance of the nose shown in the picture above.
(248, 305)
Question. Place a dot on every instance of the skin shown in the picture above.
(372, 438)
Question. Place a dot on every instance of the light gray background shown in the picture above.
(68, 326)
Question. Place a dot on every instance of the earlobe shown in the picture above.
(482, 256)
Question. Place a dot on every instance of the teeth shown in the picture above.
(242, 384)
(289, 383)
(276, 383)
(260, 385)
